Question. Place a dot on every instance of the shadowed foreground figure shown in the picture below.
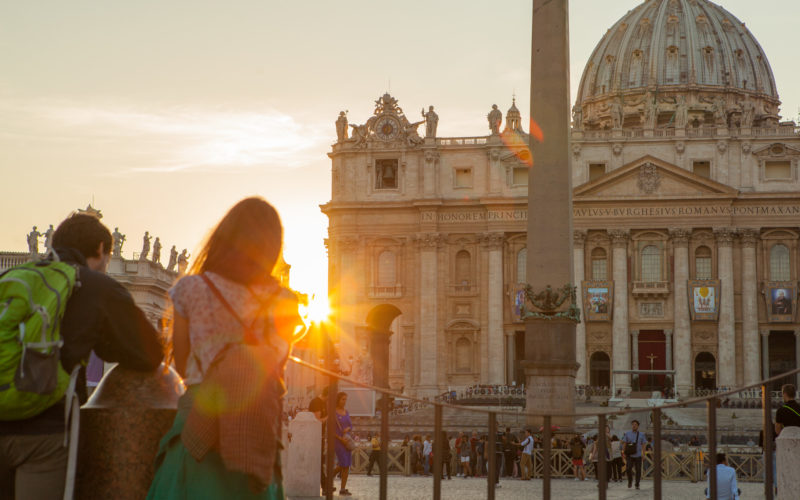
(233, 330)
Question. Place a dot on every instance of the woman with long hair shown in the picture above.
(344, 427)
(232, 330)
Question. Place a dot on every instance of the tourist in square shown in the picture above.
(616, 459)
(446, 455)
(374, 453)
(577, 449)
(344, 429)
(319, 407)
(416, 454)
(464, 451)
(634, 446)
(727, 489)
(100, 315)
(525, 462)
(233, 329)
(427, 451)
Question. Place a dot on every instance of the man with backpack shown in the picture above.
(634, 446)
(37, 374)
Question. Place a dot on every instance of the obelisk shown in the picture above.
(552, 310)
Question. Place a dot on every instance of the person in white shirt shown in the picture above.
(427, 450)
(726, 480)
(525, 462)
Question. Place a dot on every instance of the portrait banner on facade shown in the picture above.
(704, 299)
(598, 300)
(781, 300)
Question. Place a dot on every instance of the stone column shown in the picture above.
(303, 456)
(428, 313)
(726, 334)
(621, 359)
(682, 325)
(408, 346)
(635, 349)
(497, 372)
(668, 335)
(578, 259)
(764, 354)
(750, 340)
(510, 358)
(787, 451)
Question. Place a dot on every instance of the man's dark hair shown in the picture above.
(789, 390)
(325, 392)
(84, 233)
(634, 421)
(720, 458)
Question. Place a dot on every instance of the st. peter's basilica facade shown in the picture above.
(686, 204)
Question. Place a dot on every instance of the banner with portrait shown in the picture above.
(598, 300)
(781, 300)
(704, 299)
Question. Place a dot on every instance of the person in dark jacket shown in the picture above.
(100, 316)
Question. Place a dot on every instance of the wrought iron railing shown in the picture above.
(549, 463)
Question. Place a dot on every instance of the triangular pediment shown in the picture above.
(650, 177)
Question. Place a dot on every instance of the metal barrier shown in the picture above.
(550, 463)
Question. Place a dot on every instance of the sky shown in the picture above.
(165, 113)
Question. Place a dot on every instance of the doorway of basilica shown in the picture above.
(652, 356)
(782, 356)
(705, 371)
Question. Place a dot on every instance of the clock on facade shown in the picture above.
(387, 127)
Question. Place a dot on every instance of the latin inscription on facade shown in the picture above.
(521, 215)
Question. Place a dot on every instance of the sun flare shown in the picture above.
(318, 309)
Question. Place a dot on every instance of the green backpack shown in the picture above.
(33, 297)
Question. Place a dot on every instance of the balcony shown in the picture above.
(385, 292)
(650, 288)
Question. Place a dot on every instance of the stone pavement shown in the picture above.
(419, 488)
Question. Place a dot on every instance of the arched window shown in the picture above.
(651, 263)
(702, 263)
(779, 263)
(522, 264)
(463, 268)
(599, 264)
(599, 370)
(387, 272)
(705, 371)
(463, 355)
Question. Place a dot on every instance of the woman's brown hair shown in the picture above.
(245, 245)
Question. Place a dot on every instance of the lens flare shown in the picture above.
(318, 309)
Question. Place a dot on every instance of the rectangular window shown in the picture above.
(596, 170)
(778, 170)
(463, 178)
(702, 268)
(702, 168)
(386, 174)
(520, 176)
(599, 269)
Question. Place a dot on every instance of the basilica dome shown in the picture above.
(663, 48)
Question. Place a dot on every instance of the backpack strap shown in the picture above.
(791, 409)
(249, 336)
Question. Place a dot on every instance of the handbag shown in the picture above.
(348, 440)
(632, 448)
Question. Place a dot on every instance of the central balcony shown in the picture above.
(650, 288)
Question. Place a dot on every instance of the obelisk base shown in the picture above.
(550, 370)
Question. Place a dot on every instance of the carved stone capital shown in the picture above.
(579, 237)
(347, 243)
(764, 333)
(576, 150)
(617, 148)
(680, 236)
(619, 237)
(431, 156)
(724, 236)
(635, 334)
(722, 146)
(668, 333)
(492, 241)
(748, 236)
(429, 240)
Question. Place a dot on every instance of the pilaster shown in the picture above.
(620, 342)
(749, 238)
(682, 325)
(493, 243)
(578, 259)
(726, 334)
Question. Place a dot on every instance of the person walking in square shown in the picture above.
(374, 454)
(634, 446)
(525, 461)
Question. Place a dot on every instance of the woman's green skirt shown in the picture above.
(180, 477)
